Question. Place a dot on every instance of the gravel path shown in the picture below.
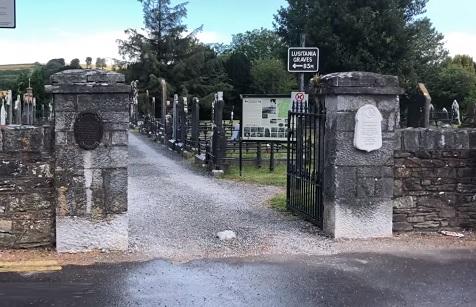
(176, 211)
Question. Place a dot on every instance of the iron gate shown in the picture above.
(306, 127)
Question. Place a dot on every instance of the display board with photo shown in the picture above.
(265, 117)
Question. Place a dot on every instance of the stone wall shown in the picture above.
(435, 180)
(27, 198)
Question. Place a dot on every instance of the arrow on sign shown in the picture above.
(296, 66)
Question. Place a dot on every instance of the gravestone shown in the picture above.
(368, 128)
(91, 148)
(3, 113)
(470, 118)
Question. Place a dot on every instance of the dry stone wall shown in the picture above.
(27, 195)
(435, 180)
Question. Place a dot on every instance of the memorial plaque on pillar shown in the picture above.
(88, 130)
(368, 129)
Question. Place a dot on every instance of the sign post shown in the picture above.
(7, 14)
(303, 60)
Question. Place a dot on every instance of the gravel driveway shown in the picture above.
(176, 211)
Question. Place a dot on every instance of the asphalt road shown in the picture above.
(423, 279)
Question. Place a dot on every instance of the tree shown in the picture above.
(258, 52)
(258, 44)
(269, 76)
(101, 63)
(53, 66)
(168, 51)
(89, 61)
(383, 36)
(238, 69)
(166, 41)
(75, 64)
(464, 61)
(455, 80)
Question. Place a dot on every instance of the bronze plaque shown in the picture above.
(88, 130)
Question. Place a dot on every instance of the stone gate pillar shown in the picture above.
(358, 183)
(91, 151)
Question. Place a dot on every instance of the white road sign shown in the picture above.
(303, 59)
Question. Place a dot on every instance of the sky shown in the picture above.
(70, 29)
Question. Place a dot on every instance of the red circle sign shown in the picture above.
(299, 97)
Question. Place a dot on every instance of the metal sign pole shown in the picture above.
(301, 75)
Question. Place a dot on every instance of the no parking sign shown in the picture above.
(299, 99)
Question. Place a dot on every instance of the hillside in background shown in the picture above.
(9, 73)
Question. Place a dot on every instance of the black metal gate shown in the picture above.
(306, 128)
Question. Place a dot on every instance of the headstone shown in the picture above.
(455, 112)
(218, 137)
(368, 128)
(416, 109)
(235, 136)
(10, 107)
(470, 118)
(3, 114)
(174, 117)
(196, 122)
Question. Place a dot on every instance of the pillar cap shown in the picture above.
(87, 80)
(360, 83)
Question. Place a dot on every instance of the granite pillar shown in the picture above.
(91, 183)
(358, 185)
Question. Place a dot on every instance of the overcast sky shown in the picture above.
(76, 29)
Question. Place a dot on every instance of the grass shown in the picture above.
(278, 202)
(17, 67)
(256, 175)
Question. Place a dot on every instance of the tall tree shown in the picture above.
(89, 62)
(456, 79)
(53, 66)
(258, 44)
(167, 50)
(270, 77)
(75, 64)
(385, 36)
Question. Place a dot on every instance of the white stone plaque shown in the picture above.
(368, 128)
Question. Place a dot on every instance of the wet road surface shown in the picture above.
(431, 279)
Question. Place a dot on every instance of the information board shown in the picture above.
(265, 118)
(7, 14)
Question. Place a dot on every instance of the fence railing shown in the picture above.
(24, 112)
(235, 151)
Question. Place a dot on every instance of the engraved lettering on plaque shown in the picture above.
(88, 130)
(368, 128)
